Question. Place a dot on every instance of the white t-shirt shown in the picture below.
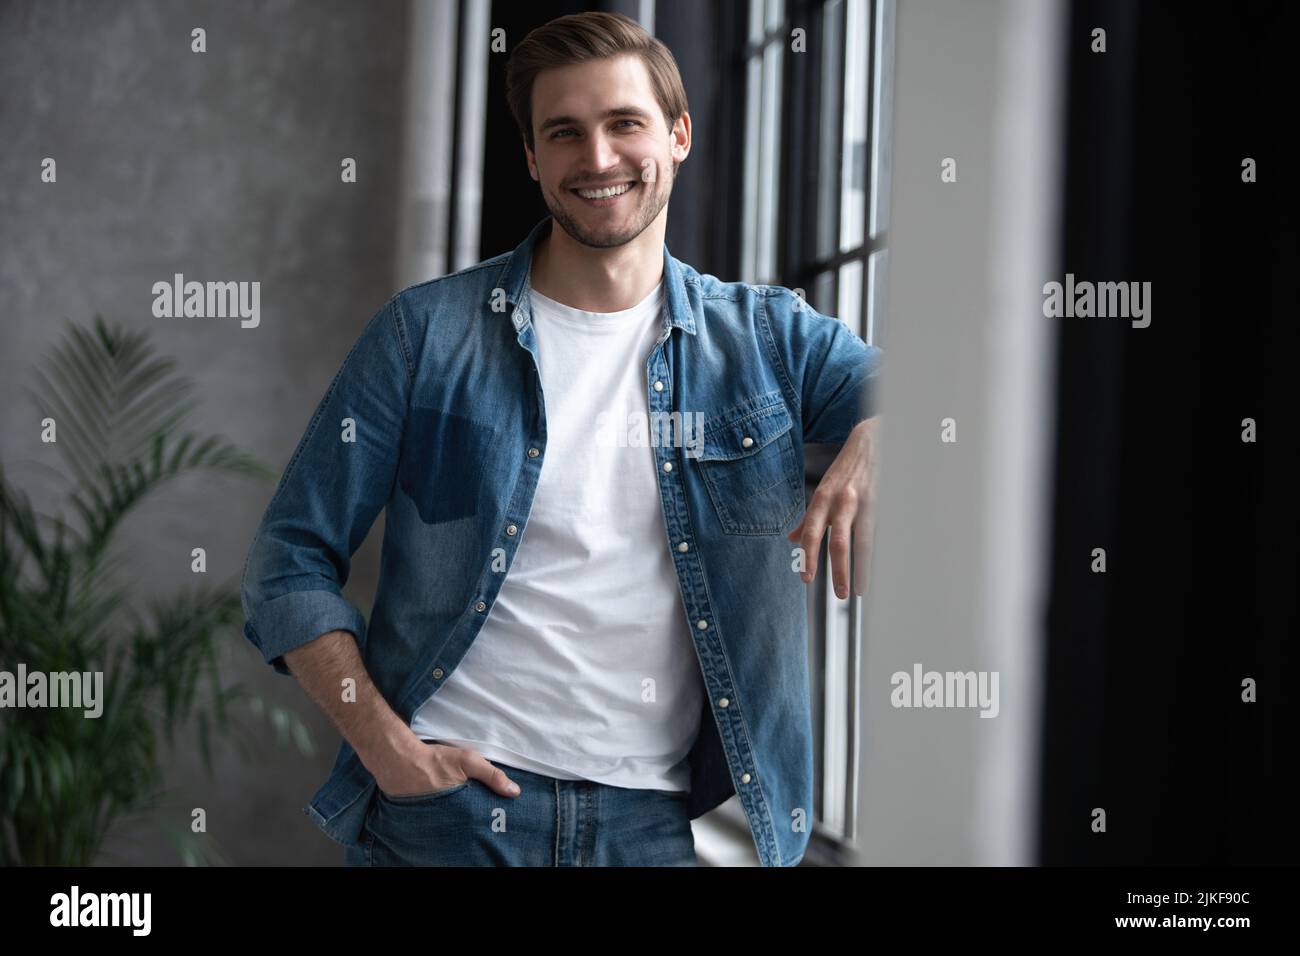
(585, 667)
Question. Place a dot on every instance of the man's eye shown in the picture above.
(558, 133)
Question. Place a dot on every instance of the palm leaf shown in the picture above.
(65, 781)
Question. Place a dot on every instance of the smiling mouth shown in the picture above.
(605, 196)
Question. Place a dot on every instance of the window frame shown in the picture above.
(796, 255)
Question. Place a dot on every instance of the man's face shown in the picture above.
(580, 141)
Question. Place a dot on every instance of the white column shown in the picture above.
(961, 545)
(428, 137)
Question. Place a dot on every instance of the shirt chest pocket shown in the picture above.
(750, 467)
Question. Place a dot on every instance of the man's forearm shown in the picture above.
(368, 723)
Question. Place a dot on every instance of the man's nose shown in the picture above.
(601, 154)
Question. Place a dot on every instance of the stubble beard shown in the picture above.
(651, 203)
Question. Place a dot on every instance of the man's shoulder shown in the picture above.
(712, 287)
(471, 278)
(737, 296)
(449, 298)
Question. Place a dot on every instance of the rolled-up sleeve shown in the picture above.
(340, 476)
(833, 371)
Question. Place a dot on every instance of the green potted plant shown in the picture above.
(114, 409)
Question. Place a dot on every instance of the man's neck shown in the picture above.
(598, 280)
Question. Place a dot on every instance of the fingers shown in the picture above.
(475, 765)
(839, 516)
(809, 535)
(840, 557)
(842, 525)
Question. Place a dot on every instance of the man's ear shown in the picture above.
(681, 131)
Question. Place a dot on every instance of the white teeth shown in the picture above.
(604, 193)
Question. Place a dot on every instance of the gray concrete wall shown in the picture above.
(221, 165)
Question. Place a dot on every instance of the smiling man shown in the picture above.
(577, 645)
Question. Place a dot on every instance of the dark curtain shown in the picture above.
(1144, 710)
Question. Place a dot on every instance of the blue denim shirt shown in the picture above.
(437, 414)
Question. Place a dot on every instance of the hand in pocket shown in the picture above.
(436, 767)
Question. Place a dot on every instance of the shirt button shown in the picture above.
(723, 702)
(437, 672)
(533, 453)
(659, 386)
(683, 547)
(668, 466)
(744, 778)
(702, 624)
(480, 606)
(746, 441)
(511, 529)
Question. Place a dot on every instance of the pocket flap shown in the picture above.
(746, 429)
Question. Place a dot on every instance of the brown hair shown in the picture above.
(579, 37)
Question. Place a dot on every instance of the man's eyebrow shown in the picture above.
(608, 114)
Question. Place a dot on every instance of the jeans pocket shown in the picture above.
(419, 829)
(422, 797)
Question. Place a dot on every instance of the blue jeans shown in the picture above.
(551, 823)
